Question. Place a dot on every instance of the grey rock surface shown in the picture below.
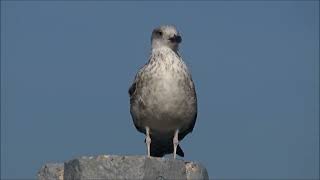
(124, 167)
(53, 171)
(196, 171)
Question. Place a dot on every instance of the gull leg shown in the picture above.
(148, 140)
(175, 143)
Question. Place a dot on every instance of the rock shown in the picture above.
(128, 167)
(196, 171)
(53, 171)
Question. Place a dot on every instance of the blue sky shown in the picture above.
(66, 68)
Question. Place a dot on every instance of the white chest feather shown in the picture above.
(166, 92)
(167, 87)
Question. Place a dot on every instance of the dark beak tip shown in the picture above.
(176, 39)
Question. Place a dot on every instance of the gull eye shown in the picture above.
(159, 33)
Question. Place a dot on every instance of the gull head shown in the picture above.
(166, 36)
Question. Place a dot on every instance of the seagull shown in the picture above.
(163, 101)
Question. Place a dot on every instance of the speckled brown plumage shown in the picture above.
(162, 96)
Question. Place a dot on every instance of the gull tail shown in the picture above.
(179, 151)
(159, 150)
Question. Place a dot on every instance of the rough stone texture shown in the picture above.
(125, 167)
(52, 171)
(196, 171)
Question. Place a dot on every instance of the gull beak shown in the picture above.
(176, 39)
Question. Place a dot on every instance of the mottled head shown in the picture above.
(167, 36)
